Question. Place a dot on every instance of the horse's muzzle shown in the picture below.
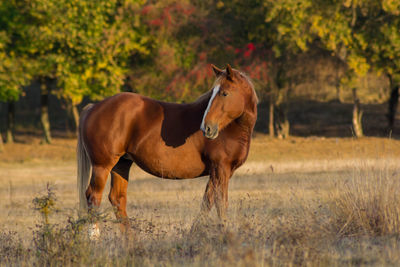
(211, 131)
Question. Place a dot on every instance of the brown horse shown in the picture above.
(210, 136)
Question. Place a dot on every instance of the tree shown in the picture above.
(177, 67)
(288, 28)
(365, 35)
(279, 15)
(382, 49)
(13, 73)
(80, 48)
(235, 32)
(267, 36)
(12, 79)
(332, 25)
(97, 45)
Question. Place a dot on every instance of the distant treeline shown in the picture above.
(75, 51)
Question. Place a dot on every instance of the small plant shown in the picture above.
(45, 204)
(55, 244)
(44, 235)
(65, 243)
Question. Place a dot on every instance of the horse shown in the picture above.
(210, 136)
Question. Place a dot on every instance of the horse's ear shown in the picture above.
(229, 72)
(216, 70)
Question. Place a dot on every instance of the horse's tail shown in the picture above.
(84, 164)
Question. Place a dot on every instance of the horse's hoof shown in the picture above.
(94, 232)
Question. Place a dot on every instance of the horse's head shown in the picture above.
(232, 93)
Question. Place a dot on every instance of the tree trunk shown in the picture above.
(44, 110)
(282, 124)
(1, 144)
(393, 103)
(279, 123)
(10, 122)
(337, 81)
(75, 117)
(357, 115)
(271, 117)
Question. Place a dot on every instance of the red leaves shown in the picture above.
(156, 22)
(146, 10)
(202, 56)
(168, 16)
(252, 58)
(251, 47)
(194, 79)
(247, 51)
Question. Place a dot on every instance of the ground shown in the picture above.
(318, 201)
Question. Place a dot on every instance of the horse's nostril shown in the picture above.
(211, 131)
(208, 129)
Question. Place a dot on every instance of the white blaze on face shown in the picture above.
(214, 93)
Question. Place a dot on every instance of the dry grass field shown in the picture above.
(301, 201)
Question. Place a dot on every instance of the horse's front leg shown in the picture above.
(216, 193)
(222, 175)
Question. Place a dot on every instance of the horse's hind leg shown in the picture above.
(96, 186)
(94, 193)
(119, 185)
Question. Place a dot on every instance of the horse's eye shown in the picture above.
(224, 93)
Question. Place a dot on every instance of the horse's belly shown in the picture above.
(171, 163)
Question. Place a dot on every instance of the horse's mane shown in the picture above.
(248, 79)
(218, 81)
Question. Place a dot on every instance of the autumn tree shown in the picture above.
(13, 72)
(163, 48)
(336, 26)
(288, 37)
(381, 21)
(79, 48)
(364, 35)
(266, 36)
(177, 69)
(217, 32)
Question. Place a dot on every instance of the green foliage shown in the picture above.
(363, 34)
(13, 74)
(86, 45)
(290, 28)
(163, 48)
(383, 38)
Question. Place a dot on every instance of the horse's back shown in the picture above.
(112, 124)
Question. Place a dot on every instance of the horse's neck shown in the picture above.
(246, 124)
(248, 119)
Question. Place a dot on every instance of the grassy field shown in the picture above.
(301, 201)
